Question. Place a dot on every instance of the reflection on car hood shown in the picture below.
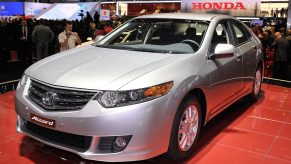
(98, 68)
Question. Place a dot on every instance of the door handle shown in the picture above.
(254, 48)
(238, 56)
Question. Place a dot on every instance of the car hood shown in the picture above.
(98, 68)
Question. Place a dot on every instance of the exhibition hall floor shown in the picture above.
(246, 132)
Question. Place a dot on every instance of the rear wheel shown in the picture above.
(257, 84)
(185, 130)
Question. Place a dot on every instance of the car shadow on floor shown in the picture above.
(41, 153)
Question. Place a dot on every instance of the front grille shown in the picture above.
(55, 99)
(76, 142)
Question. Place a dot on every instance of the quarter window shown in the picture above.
(240, 33)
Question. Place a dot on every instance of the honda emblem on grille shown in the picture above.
(48, 98)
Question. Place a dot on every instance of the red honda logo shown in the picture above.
(218, 6)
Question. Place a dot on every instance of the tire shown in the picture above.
(257, 83)
(176, 151)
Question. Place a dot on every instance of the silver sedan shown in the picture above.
(144, 89)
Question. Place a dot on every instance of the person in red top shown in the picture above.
(107, 28)
(100, 30)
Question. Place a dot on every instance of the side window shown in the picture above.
(220, 35)
(240, 33)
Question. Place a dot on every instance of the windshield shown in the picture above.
(157, 35)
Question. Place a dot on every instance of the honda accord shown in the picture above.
(143, 90)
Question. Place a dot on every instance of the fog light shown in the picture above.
(113, 144)
(120, 143)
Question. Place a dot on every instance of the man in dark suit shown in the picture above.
(24, 42)
(281, 46)
(4, 42)
(96, 17)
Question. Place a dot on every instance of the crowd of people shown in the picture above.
(276, 45)
(40, 38)
(283, 12)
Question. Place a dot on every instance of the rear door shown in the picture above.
(247, 47)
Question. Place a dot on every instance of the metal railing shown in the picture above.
(8, 86)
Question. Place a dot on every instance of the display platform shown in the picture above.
(246, 132)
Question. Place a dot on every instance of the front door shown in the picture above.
(225, 72)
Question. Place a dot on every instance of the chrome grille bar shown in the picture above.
(64, 99)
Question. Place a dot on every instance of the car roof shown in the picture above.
(191, 16)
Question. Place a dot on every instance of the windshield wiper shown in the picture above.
(121, 47)
(152, 50)
(130, 48)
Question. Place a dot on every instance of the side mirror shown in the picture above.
(98, 38)
(223, 51)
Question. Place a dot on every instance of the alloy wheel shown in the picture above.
(188, 128)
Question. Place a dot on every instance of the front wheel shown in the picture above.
(185, 130)
(257, 84)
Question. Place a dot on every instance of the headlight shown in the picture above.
(22, 81)
(109, 99)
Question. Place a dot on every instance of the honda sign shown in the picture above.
(234, 8)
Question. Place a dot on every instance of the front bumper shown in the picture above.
(148, 123)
